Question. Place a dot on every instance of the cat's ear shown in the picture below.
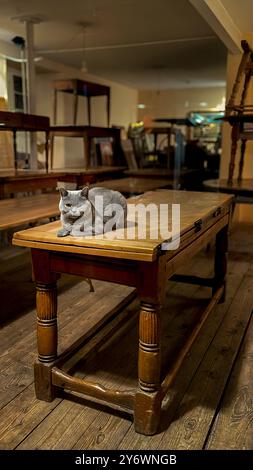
(84, 192)
(63, 192)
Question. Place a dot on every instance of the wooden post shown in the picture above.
(220, 264)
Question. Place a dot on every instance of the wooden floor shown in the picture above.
(210, 405)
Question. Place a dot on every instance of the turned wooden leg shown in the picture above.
(241, 163)
(46, 300)
(147, 402)
(220, 264)
(234, 138)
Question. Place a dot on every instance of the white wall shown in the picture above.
(177, 103)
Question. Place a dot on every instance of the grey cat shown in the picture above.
(91, 211)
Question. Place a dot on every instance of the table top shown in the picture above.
(234, 118)
(133, 185)
(23, 121)
(15, 212)
(83, 87)
(244, 186)
(90, 171)
(157, 172)
(78, 131)
(176, 121)
(158, 130)
(11, 174)
(195, 206)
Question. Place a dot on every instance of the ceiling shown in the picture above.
(186, 52)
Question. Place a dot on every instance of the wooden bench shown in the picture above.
(25, 210)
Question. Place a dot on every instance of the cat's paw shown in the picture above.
(63, 232)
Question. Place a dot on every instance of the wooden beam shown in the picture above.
(218, 18)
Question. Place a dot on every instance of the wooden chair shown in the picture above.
(240, 116)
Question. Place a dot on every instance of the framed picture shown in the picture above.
(106, 153)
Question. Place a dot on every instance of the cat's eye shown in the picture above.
(68, 205)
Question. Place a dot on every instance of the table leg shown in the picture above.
(147, 402)
(220, 264)
(108, 108)
(46, 301)
(51, 141)
(75, 106)
(88, 109)
(234, 138)
(55, 106)
(243, 148)
(46, 149)
(15, 149)
(86, 144)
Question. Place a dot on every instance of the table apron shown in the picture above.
(117, 271)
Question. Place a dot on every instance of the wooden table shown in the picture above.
(87, 133)
(162, 173)
(24, 122)
(242, 189)
(81, 88)
(131, 186)
(140, 263)
(92, 175)
(25, 210)
(12, 183)
(180, 179)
